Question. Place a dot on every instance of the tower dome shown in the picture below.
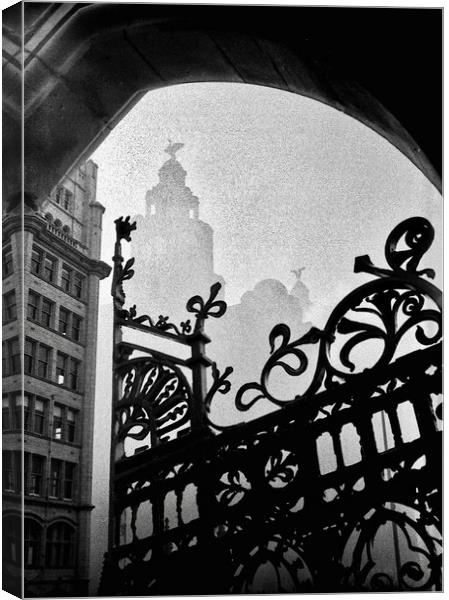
(172, 171)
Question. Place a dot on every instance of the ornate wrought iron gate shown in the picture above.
(339, 490)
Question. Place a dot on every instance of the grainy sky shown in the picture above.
(284, 181)
(299, 181)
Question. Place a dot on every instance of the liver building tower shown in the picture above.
(172, 246)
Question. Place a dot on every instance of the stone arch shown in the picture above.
(63, 519)
(34, 517)
(101, 58)
(60, 540)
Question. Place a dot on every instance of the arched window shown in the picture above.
(12, 538)
(33, 541)
(58, 223)
(60, 545)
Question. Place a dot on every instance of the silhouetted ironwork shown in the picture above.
(340, 490)
(393, 305)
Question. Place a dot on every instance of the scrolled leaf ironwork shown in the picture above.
(209, 308)
(385, 310)
(250, 393)
(202, 309)
(418, 235)
(154, 403)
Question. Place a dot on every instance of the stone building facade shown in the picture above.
(51, 273)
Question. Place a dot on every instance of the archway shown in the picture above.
(86, 66)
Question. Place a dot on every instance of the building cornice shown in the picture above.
(39, 227)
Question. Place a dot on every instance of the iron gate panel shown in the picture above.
(261, 506)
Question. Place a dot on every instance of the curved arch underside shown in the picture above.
(87, 65)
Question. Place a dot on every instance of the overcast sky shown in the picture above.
(284, 181)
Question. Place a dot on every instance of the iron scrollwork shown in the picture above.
(420, 546)
(398, 301)
(260, 507)
(156, 399)
(197, 305)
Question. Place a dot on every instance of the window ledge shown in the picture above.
(54, 383)
(52, 330)
(58, 287)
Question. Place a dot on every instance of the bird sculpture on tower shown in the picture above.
(173, 148)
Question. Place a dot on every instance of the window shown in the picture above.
(78, 285)
(55, 478)
(7, 265)
(37, 359)
(68, 371)
(59, 195)
(11, 357)
(43, 362)
(64, 197)
(66, 278)
(64, 423)
(71, 425)
(64, 316)
(57, 422)
(47, 312)
(12, 465)
(12, 539)
(9, 306)
(37, 473)
(76, 327)
(34, 410)
(39, 416)
(43, 264)
(69, 475)
(40, 309)
(6, 413)
(37, 258)
(29, 356)
(70, 324)
(33, 305)
(49, 268)
(61, 480)
(74, 374)
(20, 408)
(34, 474)
(61, 368)
(26, 410)
(9, 484)
(72, 282)
(67, 201)
(60, 545)
(32, 539)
